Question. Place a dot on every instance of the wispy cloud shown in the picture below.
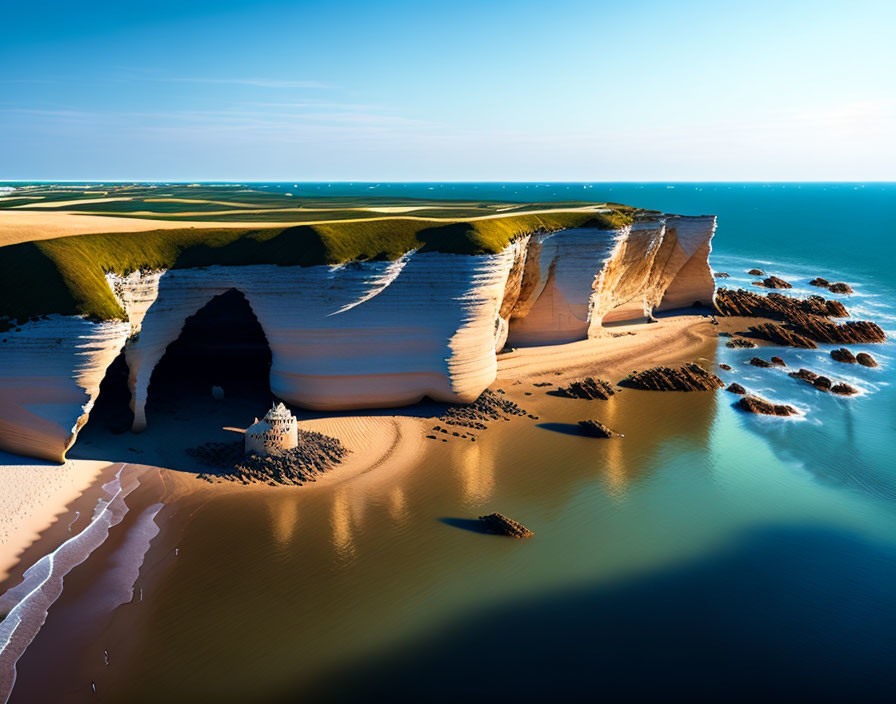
(256, 82)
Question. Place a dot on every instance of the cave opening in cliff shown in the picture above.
(221, 347)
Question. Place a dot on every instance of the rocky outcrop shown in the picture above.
(500, 524)
(740, 343)
(822, 383)
(780, 335)
(820, 282)
(774, 305)
(866, 360)
(362, 334)
(840, 287)
(722, 275)
(756, 272)
(489, 406)
(843, 355)
(588, 388)
(736, 388)
(596, 429)
(691, 377)
(759, 362)
(773, 282)
(778, 362)
(755, 404)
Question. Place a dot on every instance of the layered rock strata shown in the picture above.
(361, 334)
(691, 377)
(755, 404)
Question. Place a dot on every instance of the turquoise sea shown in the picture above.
(707, 556)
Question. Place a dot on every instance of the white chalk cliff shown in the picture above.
(362, 334)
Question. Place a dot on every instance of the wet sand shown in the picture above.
(392, 467)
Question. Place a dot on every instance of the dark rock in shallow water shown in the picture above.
(843, 389)
(843, 355)
(759, 362)
(780, 335)
(774, 305)
(836, 309)
(736, 389)
(596, 429)
(756, 272)
(822, 383)
(820, 282)
(840, 287)
(589, 388)
(778, 362)
(866, 360)
(502, 525)
(726, 367)
(755, 404)
(773, 282)
(721, 275)
(739, 342)
(805, 375)
(691, 377)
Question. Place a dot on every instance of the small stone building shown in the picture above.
(276, 432)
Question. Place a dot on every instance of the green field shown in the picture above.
(66, 275)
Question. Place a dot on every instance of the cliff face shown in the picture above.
(361, 334)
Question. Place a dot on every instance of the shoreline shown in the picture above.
(381, 445)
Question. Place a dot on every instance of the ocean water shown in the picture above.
(708, 555)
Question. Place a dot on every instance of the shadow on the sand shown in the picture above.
(564, 428)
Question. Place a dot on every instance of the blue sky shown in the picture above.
(531, 91)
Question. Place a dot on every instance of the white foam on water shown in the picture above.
(27, 604)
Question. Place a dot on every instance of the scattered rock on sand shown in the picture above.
(589, 388)
(756, 272)
(755, 404)
(736, 389)
(843, 355)
(840, 287)
(740, 342)
(866, 360)
(489, 406)
(500, 524)
(596, 429)
(820, 282)
(759, 362)
(691, 377)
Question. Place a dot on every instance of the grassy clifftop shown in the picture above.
(67, 275)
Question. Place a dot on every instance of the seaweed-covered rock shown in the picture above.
(755, 404)
(756, 272)
(843, 355)
(690, 377)
(866, 360)
(739, 342)
(759, 362)
(778, 362)
(840, 287)
(589, 388)
(500, 524)
(736, 389)
(596, 429)
(820, 282)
